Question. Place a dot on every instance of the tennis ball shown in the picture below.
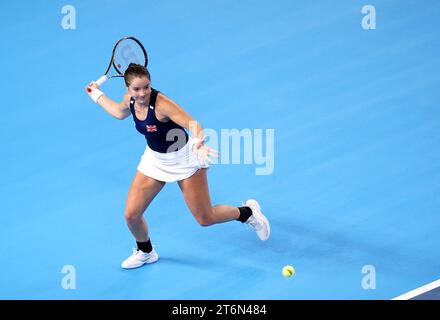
(288, 271)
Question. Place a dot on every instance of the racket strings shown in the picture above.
(128, 51)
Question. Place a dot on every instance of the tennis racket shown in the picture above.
(127, 50)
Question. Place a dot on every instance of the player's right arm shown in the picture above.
(119, 110)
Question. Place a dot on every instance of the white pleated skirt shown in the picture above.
(172, 166)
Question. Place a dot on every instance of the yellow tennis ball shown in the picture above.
(288, 271)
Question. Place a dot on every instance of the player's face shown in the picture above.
(140, 89)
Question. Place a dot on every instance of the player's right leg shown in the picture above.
(142, 191)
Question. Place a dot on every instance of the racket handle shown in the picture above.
(101, 80)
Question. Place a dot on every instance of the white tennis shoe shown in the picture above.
(139, 258)
(257, 220)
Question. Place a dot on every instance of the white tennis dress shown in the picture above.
(157, 162)
(171, 166)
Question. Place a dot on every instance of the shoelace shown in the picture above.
(253, 224)
(137, 251)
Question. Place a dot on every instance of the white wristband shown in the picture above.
(96, 93)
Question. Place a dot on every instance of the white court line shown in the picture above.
(418, 291)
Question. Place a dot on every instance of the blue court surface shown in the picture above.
(350, 183)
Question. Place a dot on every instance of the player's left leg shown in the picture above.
(196, 194)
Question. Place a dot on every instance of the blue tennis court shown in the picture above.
(345, 119)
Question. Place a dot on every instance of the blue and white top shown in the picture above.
(163, 137)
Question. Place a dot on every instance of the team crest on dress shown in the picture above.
(151, 128)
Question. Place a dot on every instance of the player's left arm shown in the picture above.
(169, 109)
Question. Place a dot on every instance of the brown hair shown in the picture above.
(135, 70)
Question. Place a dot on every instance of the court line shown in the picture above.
(418, 291)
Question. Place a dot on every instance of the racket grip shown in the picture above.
(101, 80)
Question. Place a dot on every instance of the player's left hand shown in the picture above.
(204, 152)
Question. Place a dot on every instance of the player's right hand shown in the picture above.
(92, 85)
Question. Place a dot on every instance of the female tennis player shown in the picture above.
(170, 155)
